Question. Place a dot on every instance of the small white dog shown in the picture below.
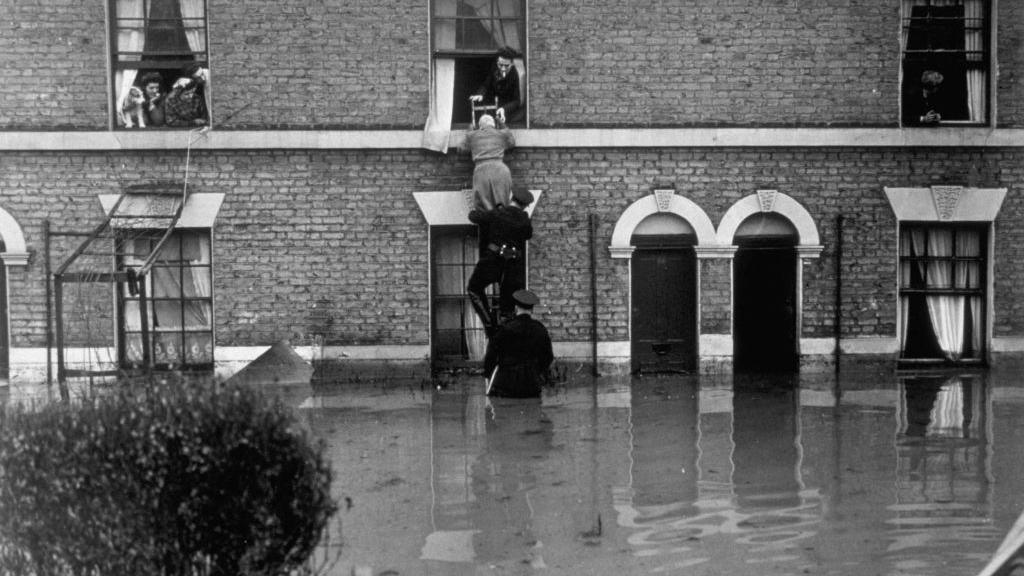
(133, 105)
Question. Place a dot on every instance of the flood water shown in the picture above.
(674, 475)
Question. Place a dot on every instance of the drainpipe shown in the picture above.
(49, 305)
(838, 309)
(593, 294)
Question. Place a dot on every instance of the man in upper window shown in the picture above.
(931, 102)
(502, 83)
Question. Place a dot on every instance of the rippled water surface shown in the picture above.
(674, 475)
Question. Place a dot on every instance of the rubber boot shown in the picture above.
(481, 309)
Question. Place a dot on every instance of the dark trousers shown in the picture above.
(510, 275)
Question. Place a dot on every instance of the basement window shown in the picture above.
(942, 294)
(178, 296)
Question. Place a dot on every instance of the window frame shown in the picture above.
(123, 297)
(469, 258)
(114, 56)
(980, 291)
(476, 57)
(983, 62)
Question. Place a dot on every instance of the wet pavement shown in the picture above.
(674, 475)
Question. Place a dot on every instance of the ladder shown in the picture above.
(100, 259)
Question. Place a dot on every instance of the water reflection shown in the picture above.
(745, 475)
(943, 474)
(485, 456)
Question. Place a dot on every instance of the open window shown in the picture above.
(942, 292)
(178, 300)
(466, 36)
(946, 62)
(158, 44)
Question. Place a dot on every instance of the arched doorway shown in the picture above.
(765, 304)
(664, 295)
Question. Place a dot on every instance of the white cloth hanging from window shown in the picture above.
(439, 121)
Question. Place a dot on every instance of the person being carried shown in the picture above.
(492, 180)
(519, 355)
(502, 84)
(507, 228)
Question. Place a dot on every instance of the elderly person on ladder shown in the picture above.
(492, 181)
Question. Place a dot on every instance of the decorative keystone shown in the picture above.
(663, 197)
(946, 199)
(766, 198)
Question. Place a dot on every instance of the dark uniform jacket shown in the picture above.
(506, 90)
(521, 354)
(505, 225)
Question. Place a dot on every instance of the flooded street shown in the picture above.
(674, 475)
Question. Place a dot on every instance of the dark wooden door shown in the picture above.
(764, 304)
(664, 292)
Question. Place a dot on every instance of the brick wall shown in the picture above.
(714, 63)
(314, 239)
(333, 63)
(1010, 38)
(53, 64)
(716, 296)
(363, 64)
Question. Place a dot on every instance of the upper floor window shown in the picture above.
(478, 49)
(946, 61)
(160, 63)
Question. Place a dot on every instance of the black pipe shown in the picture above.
(838, 311)
(49, 303)
(593, 293)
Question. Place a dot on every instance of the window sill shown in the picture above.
(570, 138)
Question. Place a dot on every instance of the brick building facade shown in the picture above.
(693, 137)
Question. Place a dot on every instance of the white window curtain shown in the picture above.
(905, 272)
(974, 11)
(451, 280)
(946, 311)
(131, 37)
(439, 121)
(192, 11)
(968, 275)
(974, 40)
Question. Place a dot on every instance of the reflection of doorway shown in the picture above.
(765, 326)
(664, 315)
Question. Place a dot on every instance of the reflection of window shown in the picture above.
(179, 303)
(942, 279)
(155, 37)
(458, 335)
(466, 36)
(948, 37)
